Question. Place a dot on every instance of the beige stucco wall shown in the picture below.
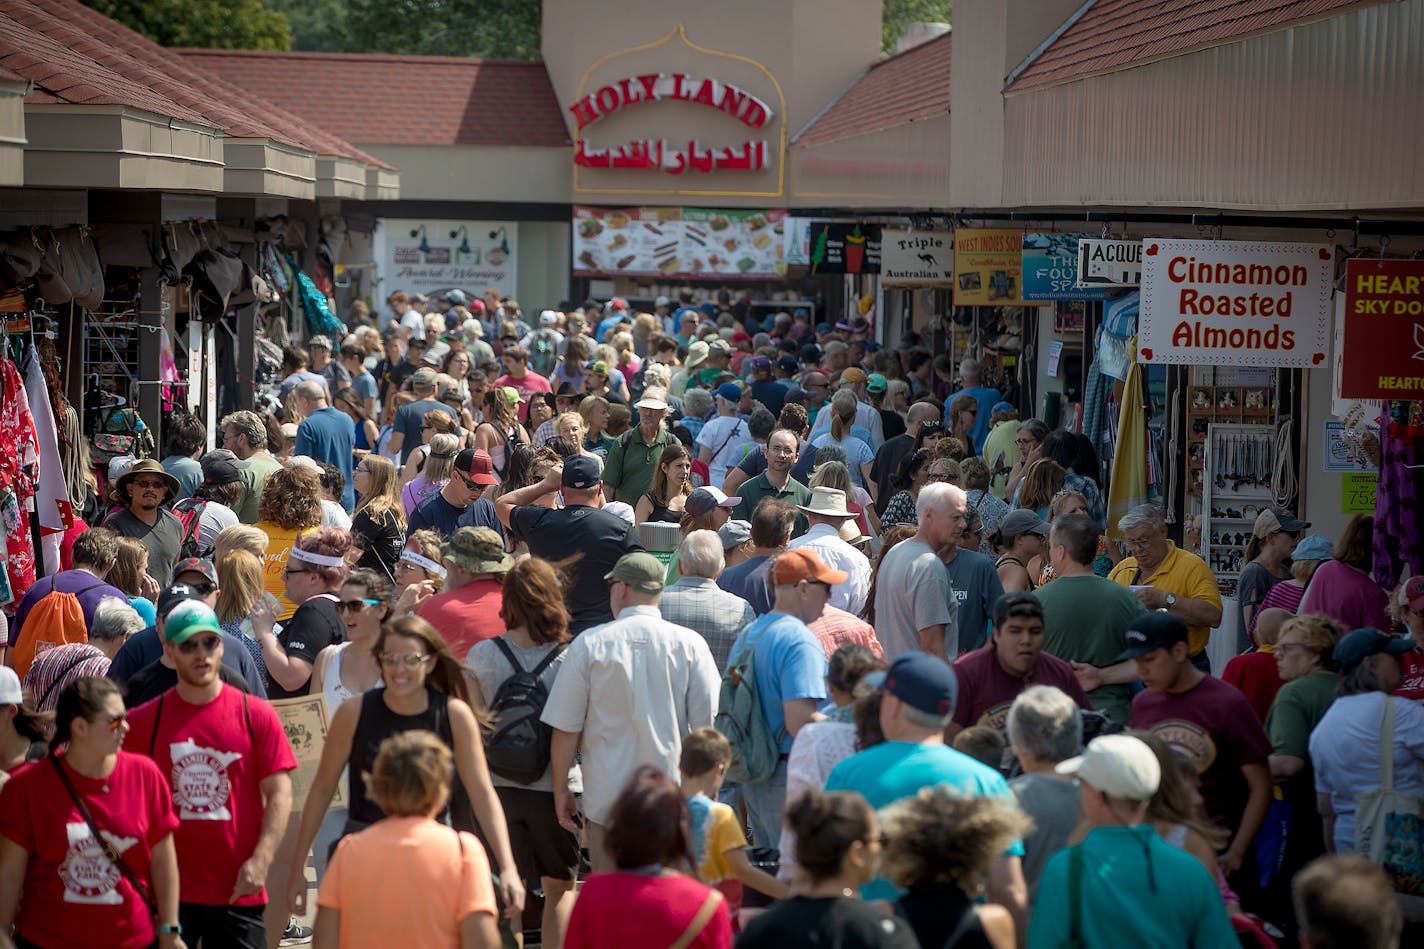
(795, 55)
(902, 167)
(478, 173)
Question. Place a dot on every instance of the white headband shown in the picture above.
(422, 561)
(321, 560)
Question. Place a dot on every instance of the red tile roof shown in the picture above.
(403, 100)
(1119, 34)
(907, 86)
(76, 55)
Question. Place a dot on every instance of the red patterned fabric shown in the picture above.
(19, 452)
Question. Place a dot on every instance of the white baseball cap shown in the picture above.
(1118, 765)
(548, 318)
(10, 691)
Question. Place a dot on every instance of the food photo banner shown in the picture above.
(988, 267)
(678, 242)
(1383, 352)
(1235, 303)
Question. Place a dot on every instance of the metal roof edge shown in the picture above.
(1053, 37)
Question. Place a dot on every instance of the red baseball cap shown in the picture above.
(476, 464)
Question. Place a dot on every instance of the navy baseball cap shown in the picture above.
(1361, 644)
(582, 472)
(787, 363)
(730, 391)
(760, 364)
(1155, 629)
(921, 681)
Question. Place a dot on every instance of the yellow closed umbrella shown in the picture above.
(1127, 486)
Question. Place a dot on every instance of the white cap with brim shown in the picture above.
(1120, 766)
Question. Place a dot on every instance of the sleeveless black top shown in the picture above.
(376, 724)
(661, 513)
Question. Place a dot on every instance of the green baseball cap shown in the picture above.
(187, 619)
(640, 570)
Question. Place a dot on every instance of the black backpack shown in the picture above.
(518, 748)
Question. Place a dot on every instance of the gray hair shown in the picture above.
(925, 719)
(697, 402)
(249, 425)
(968, 368)
(1364, 678)
(701, 555)
(1035, 427)
(828, 453)
(937, 495)
(1144, 515)
(1044, 722)
(114, 619)
(655, 376)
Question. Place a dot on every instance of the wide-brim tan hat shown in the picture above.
(827, 502)
(148, 466)
(696, 355)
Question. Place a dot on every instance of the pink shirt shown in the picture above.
(1347, 596)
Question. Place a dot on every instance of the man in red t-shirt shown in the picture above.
(228, 761)
(1207, 721)
(992, 676)
(468, 611)
(518, 376)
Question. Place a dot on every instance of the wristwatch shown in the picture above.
(1171, 600)
(167, 928)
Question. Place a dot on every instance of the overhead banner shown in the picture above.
(431, 255)
(844, 247)
(1107, 263)
(1235, 303)
(988, 267)
(1383, 352)
(1050, 268)
(671, 242)
(916, 259)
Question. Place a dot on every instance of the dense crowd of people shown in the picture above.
(686, 628)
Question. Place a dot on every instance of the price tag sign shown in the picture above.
(1357, 492)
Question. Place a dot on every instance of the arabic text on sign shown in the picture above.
(660, 155)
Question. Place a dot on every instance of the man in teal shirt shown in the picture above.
(920, 692)
(1132, 888)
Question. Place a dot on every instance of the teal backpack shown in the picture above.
(740, 718)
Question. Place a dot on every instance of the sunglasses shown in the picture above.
(116, 722)
(353, 606)
(207, 644)
(203, 588)
(149, 483)
(468, 483)
(410, 662)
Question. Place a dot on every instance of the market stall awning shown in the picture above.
(12, 127)
(884, 142)
(106, 100)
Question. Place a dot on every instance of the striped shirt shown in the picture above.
(55, 668)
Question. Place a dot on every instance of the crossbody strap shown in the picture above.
(103, 841)
(730, 435)
(1386, 745)
(700, 921)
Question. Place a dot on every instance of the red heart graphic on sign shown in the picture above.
(1147, 354)
(1318, 358)
(1152, 250)
(1324, 253)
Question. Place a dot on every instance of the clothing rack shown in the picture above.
(23, 330)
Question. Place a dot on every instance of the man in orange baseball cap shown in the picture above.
(790, 669)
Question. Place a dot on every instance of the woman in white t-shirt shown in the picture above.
(725, 439)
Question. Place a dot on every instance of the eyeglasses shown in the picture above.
(1140, 542)
(116, 722)
(410, 662)
(189, 647)
(1284, 648)
(289, 572)
(353, 606)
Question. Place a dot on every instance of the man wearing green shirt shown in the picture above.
(635, 456)
(1086, 616)
(782, 447)
(1129, 886)
(245, 436)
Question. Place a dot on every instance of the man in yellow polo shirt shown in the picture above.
(1165, 577)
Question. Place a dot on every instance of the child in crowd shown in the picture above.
(719, 846)
(983, 743)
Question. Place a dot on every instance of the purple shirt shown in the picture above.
(88, 588)
(1347, 596)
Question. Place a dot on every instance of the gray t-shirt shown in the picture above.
(490, 667)
(976, 589)
(1053, 805)
(912, 592)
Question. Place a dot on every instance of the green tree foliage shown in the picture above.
(899, 14)
(486, 28)
(317, 25)
(223, 24)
